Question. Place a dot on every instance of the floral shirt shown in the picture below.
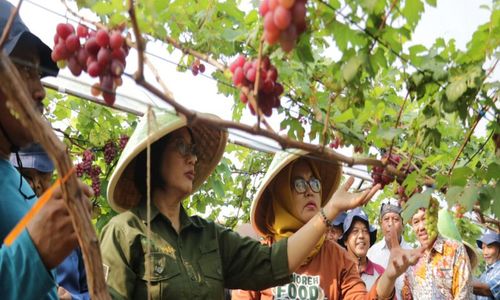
(444, 272)
(491, 277)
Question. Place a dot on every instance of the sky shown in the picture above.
(456, 19)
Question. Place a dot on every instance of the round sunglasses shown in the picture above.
(184, 148)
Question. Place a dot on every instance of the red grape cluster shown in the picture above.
(284, 20)
(244, 75)
(197, 67)
(102, 54)
(123, 141)
(403, 197)
(96, 182)
(110, 152)
(87, 167)
(381, 175)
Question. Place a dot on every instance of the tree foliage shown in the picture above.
(355, 70)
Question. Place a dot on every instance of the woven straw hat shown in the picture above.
(122, 191)
(330, 172)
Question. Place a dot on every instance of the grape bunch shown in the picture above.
(100, 53)
(284, 21)
(403, 197)
(383, 177)
(244, 76)
(110, 152)
(123, 141)
(431, 218)
(197, 67)
(96, 181)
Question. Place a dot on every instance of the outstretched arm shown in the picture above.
(303, 241)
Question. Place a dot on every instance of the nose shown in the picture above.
(192, 159)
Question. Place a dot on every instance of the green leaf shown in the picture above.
(412, 11)
(304, 51)
(453, 195)
(460, 175)
(455, 89)
(496, 207)
(389, 133)
(350, 69)
(419, 200)
(469, 197)
(344, 117)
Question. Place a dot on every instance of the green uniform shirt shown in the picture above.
(198, 263)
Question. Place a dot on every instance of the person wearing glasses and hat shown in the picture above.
(25, 265)
(295, 190)
(187, 257)
(389, 219)
(488, 285)
(37, 168)
(358, 237)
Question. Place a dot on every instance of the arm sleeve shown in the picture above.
(116, 257)
(22, 272)
(462, 277)
(352, 286)
(250, 265)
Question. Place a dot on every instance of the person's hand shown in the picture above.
(52, 231)
(63, 294)
(400, 259)
(343, 200)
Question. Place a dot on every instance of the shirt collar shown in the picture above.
(185, 220)
(493, 265)
(370, 267)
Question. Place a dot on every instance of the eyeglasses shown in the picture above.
(184, 148)
(300, 185)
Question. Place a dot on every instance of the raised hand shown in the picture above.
(400, 259)
(343, 200)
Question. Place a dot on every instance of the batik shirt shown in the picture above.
(442, 273)
(491, 277)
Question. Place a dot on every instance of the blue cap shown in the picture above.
(489, 237)
(20, 34)
(361, 215)
(33, 157)
(339, 220)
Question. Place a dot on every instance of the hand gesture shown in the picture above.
(343, 200)
(400, 259)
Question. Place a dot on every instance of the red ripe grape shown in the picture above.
(278, 89)
(264, 7)
(74, 66)
(109, 98)
(64, 29)
(238, 76)
(118, 81)
(286, 3)
(72, 43)
(109, 152)
(94, 69)
(288, 38)
(82, 31)
(202, 68)
(91, 46)
(116, 68)
(272, 74)
(239, 62)
(272, 4)
(102, 38)
(268, 86)
(116, 40)
(107, 86)
(269, 24)
(123, 141)
(250, 74)
(271, 37)
(243, 98)
(104, 56)
(56, 38)
(194, 70)
(248, 64)
(60, 51)
(95, 90)
(82, 57)
(282, 17)
(119, 54)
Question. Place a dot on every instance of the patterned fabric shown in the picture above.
(491, 277)
(442, 273)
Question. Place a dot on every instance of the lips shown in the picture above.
(311, 205)
(190, 175)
